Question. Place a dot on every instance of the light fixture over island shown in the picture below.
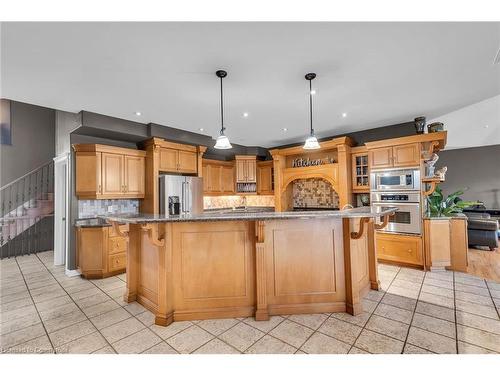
(219, 265)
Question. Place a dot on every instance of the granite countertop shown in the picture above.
(92, 223)
(252, 216)
(449, 217)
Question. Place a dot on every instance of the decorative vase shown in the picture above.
(420, 124)
(435, 127)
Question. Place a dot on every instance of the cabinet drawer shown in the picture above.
(117, 245)
(117, 262)
(403, 249)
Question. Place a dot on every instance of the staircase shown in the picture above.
(27, 213)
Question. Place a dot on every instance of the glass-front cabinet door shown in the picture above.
(360, 172)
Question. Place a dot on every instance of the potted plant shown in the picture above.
(440, 206)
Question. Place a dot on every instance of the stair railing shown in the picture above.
(26, 225)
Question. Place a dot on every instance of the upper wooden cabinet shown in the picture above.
(218, 177)
(107, 172)
(360, 172)
(405, 155)
(180, 161)
(246, 168)
(265, 177)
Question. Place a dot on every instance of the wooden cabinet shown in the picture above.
(218, 177)
(246, 168)
(106, 172)
(180, 161)
(401, 249)
(405, 155)
(100, 251)
(265, 177)
(360, 172)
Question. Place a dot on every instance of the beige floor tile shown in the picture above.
(161, 348)
(431, 341)
(394, 313)
(49, 305)
(106, 350)
(83, 294)
(264, 325)
(340, 330)
(217, 326)
(110, 318)
(189, 340)
(439, 291)
(474, 308)
(480, 338)
(404, 292)
(412, 349)
(436, 325)
(359, 320)
(270, 345)
(58, 311)
(399, 301)
(122, 329)
(39, 345)
(466, 348)
(435, 311)
(291, 333)
(216, 346)
(448, 284)
(17, 313)
(479, 322)
(472, 289)
(100, 308)
(242, 336)
(437, 300)
(355, 350)
(116, 293)
(83, 345)
(319, 343)
(312, 321)
(71, 333)
(48, 295)
(63, 321)
(136, 343)
(170, 330)
(375, 295)
(147, 318)
(92, 300)
(22, 335)
(378, 344)
(23, 322)
(134, 308)
(467, 280)
(474, 298)
(388, 327)
(16, 304)
(406, 284)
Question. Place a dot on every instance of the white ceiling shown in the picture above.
(377, 73)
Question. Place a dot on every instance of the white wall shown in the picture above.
(473, 126)
(66, 122)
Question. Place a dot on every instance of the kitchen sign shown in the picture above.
(301, 162)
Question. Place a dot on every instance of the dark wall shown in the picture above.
(474, 168)
(33, 141)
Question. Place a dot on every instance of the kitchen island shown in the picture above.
(240, 264)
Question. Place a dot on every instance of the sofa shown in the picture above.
(482, 229)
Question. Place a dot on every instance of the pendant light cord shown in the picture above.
(221, 108)
(311, 105)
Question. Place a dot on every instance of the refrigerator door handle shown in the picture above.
(188, 197)
(183, 198)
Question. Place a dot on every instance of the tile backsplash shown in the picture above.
(228, 201)
(314, 192)
(92, 208)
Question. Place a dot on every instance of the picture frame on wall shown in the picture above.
(5, 123)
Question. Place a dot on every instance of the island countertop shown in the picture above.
(368, 212)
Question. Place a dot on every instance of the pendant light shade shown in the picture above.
(222, 142)
(311, 141)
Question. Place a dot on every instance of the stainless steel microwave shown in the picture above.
(395, 180)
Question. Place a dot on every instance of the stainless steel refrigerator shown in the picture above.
(187, 191)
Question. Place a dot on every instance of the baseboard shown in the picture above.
(72, 273)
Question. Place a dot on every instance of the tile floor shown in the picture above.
(44, 311)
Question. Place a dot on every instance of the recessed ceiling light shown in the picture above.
(201, 129)
(486, 126)
(344, 114)
(285, 129)
(245, 114)
(138, 113)
(313, 92)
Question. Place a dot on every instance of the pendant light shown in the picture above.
(311, 141)
(222, 142)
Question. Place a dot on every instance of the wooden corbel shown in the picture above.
(152, 230)
(362, 222)
(116, 228)
(384, 223)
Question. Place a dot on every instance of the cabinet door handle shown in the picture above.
(100, 189)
